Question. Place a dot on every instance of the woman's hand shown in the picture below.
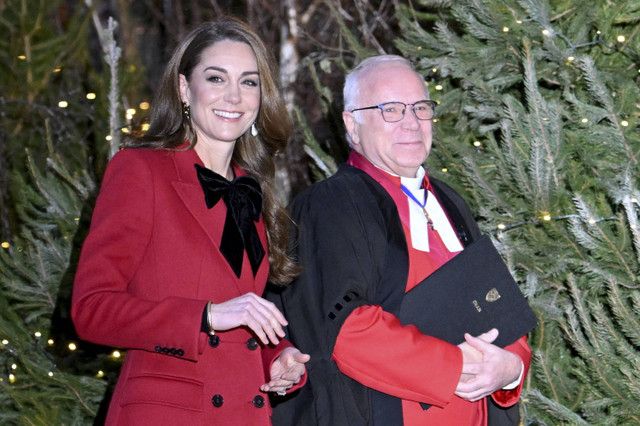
(252, 311)
(286, 370)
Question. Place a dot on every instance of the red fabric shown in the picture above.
(412, 366)
(148, 267)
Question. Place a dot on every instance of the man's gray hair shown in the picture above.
(351, 92)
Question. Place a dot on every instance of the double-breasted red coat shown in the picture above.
(147, 269)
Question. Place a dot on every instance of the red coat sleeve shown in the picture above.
(507, 398)
(375, 349)
(104, 310)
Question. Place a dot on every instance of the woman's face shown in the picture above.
(223, 92)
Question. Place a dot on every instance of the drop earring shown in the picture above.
(186, 111)
(254, 130)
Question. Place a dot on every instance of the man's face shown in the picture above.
(401, 147)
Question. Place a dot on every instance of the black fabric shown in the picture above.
(243, 198)
(351, 245)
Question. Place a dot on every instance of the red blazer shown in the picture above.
(147, 269)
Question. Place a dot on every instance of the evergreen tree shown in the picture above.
(538, 127)
(56, 112)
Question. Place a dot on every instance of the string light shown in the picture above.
(144, 106)
(50, 342)
(505, 29)
(72, 346)
(22, 57)
(477, 144)
(585, 120)
(438, 87)
(91, 96)
(546, 32)
(444, 170)
(621, 39)
(108, 137)
(57, 69)
(5, 245)
(624, 123)
(100, 374)
(63, 104)
(116, 354)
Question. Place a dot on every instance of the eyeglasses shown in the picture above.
(394, 111)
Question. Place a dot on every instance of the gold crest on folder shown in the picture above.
(492, 295)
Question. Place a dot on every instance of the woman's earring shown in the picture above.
(254, 130)
(186, 111)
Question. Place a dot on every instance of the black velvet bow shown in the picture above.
(243, 198)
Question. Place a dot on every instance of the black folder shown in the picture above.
(471, 293)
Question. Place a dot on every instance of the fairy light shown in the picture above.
(50, 342)
(585, 120)
(434, 70)
(438, 87)
(571, 58)
(145, 127)
(12, 378)
(14, 366)
(72, 346)
(477, 144)
(505, 29)
(108, 137)
(144, 106)
(624, 123)
(131, 111)
(546, 32)
(5, 245)
(91, 96)
(63, 104)
(546, 217)
(444, 170)
(501, 226)
(57, 69)
(22, 57)
(116, 354)
(621, 39)
(5, 342)
(100, 374)
(50, 374)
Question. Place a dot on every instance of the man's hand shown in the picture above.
(495, 369)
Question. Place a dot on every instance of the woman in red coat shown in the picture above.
(185, 232)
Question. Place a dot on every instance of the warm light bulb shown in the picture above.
(546, 32)
(505, 29)
(100, 374)
(50, 342)
(91, 96)
(50, 374)
(585, 120)
(444, 170)
(108, 137)
(624, 123)
(145, 127)
(621, 39)
(477, 143)
(5, 245)
(116, 354)
(63, 104)
(22, 57)
(14, 366)
(438, 87)
(144, 106)
(72, 346)
(12, 378)
(591, 221)
(131, 111)
(546, 217)
(5, 342)
(37, 334)
(501, 226)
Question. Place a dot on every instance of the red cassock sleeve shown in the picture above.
(375, 349)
